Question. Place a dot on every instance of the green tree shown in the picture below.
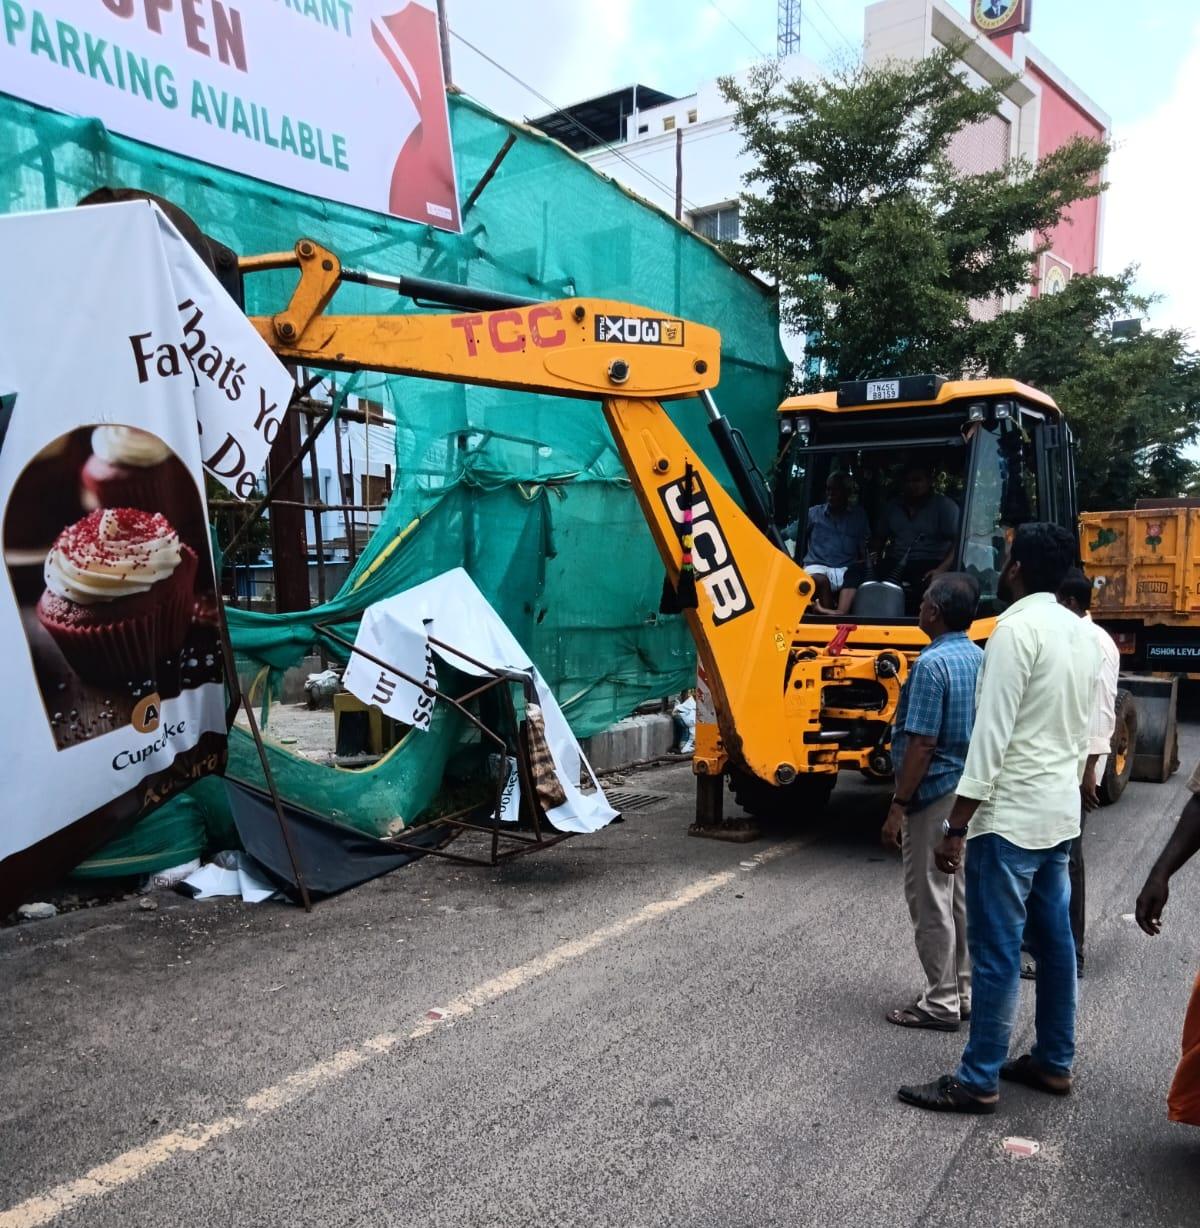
(883, 253)
(1133, 401)
(878, 245)
(226, 521)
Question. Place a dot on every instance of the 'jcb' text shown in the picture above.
(716, 568)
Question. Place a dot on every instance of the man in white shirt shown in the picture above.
(1018, 802)
(1075, 593)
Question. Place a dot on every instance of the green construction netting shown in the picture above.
(525, 492)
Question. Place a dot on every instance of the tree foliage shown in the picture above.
(227, 521)
(1133, 402)
(887, 259)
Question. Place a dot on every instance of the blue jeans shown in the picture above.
(1013, 891)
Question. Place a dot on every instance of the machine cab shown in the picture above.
(943, 472)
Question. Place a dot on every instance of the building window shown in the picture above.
(643, 129)
(347, 488)
(668, 123)
(372, 410)
(691, 117)
(721, 225)
(376, 488)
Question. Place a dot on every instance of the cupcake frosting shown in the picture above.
(112, 553)
(126, 445)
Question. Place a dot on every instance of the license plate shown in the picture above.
(883, 390)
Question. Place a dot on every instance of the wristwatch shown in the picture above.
(902, 802)
(959, 833)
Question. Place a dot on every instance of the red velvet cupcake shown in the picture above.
(133, 468)
(119, 595)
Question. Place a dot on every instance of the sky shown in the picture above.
(1139, 62)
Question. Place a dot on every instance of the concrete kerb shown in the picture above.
(636, 739)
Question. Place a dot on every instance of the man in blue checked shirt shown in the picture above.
(930, 735)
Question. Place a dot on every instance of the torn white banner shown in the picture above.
(228, 874)
(242, 389)
(452, 610)
(406, 647)
(510, 794)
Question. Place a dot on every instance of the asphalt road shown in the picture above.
(633, 1028)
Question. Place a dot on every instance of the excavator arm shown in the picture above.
(589, 348)
(767, 691)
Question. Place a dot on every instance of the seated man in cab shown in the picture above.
(836, 551)
(918, 532)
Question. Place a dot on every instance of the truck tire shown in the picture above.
(803, 799)
(1120, 756)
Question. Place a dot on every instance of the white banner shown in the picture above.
(342, 99)
(241, 389)
(452, 610)
(113, 675)
(405, 648)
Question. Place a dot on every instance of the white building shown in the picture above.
(683, 154)
(667, 149)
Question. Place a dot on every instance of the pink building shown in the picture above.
(1041, 109)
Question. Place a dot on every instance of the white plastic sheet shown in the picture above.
(215, 879)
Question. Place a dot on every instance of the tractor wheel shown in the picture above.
(1120, 757)
(803, 799)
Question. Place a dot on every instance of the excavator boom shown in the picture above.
(589, 348)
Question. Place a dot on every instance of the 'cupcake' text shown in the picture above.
(129, 758)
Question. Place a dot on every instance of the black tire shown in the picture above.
(803, 799)
(1119, 767)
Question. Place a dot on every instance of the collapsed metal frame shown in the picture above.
(500, 681)
(421, 291)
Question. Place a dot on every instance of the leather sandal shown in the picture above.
(914, 1017)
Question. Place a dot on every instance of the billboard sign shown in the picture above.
(114, 684)
(344, 101)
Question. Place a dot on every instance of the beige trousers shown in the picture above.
(937, 903)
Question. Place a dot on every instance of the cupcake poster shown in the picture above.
(114, 688)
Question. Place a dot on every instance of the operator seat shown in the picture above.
(878, 599)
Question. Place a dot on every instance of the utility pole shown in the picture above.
(679, 174)
(789, 27)
(444, 35)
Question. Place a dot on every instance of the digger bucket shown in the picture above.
(1155, 755)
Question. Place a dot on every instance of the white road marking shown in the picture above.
(135, 1164)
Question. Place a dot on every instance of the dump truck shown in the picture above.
(1145, 566)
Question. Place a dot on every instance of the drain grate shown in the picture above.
(624, 800)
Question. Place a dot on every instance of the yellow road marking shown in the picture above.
(131, 1166)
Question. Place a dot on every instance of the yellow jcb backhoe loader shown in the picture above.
(789, 696)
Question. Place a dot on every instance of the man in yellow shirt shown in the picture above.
(1018, 804)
